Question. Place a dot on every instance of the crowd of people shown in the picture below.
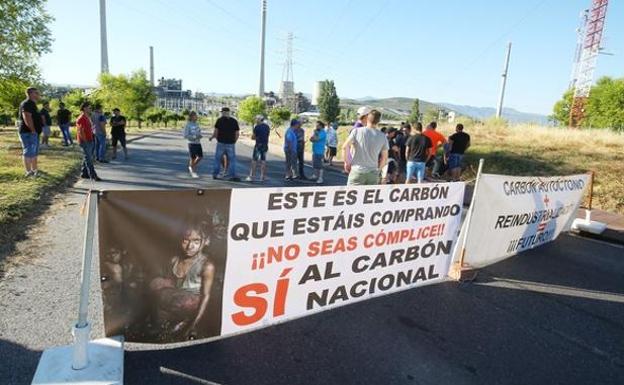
(372, 154)
(35, 130)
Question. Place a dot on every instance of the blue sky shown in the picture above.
(441, 51)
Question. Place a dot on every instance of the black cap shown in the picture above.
(225, 109)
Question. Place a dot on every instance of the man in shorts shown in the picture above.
(370, 152)
(46, 120)
(318, 139)
(29, 128)
(260, 134)
(458, 143)
(332, 143)
(118, 132)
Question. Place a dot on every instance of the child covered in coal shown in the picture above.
(122, 284)
(183, 294)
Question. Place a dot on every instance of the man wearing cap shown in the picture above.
(226, 132)
(370, 152)
(362, 114)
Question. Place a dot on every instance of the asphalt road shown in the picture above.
(553, 315)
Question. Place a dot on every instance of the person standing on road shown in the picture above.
(362, 116)
(63, 118)
(290, 149)
(226, 132)
(118, 132)
(318, 139)
(370, 152)
(46, 121)
(86, 140)
(99, 121)
(261, 135)
(417, 149)
(458, 143)
(332, 143)
(300, 132)
(29, 128)
(192, 133)
(437, 140)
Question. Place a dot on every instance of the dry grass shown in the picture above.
(527, 150)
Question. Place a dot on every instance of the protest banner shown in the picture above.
(179, 265)
(511, 214)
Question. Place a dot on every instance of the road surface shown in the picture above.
(552, 315)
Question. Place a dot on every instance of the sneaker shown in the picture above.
(28, 173)
(191, 170)
(319, 180)
(97, 179)
(34, 173)
(249, 179)
(194, 175)
(288, 178)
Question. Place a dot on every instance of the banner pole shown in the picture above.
(82, 328)
(469, 216)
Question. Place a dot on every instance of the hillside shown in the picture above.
(402, 106)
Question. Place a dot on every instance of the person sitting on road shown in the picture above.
(260, 134)
(318, 139)
(370, 152)
(458, 143)
(226, 132)
(290, 149)
(118, 132)
(192, 133)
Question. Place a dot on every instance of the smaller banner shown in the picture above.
(513, 214)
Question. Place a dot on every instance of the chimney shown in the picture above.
(152, 66)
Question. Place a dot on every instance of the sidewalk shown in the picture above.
(615, 225)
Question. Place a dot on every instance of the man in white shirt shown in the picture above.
(370, 152)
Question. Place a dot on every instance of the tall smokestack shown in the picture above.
(103, 43)
(152, 66)
(262, 40)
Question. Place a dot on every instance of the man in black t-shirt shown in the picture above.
(417, 148)
(118, 132)
(226, 131)
(30, 126)
(46, 123)
(63, 118)
(458, 143)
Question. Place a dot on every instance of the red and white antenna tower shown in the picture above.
(594, 27)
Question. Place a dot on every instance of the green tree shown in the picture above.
(430, 115)
(12, 92)
(279, 115)
(561, 109)
(605, 106)
(415, 113)
(132, 94)
(328, 102)
(251, 107)
(24, 37)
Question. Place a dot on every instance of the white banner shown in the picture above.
(513, 214)
(297, 251)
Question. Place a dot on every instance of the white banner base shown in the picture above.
(105, 366)
(587, 225)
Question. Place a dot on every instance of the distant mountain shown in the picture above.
(403, 106)
(512, 115)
